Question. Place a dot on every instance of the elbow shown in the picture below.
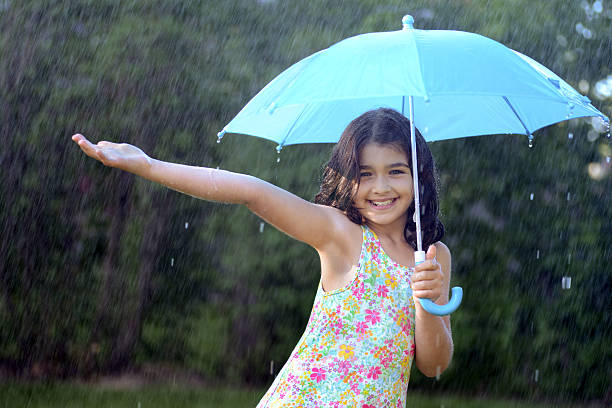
(433, 367)
(434, 371)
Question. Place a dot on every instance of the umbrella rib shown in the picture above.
(417, 57)
(527, 132)
(282, 143)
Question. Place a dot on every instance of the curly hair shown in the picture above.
(340, 180)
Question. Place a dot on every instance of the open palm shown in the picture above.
(120, 155)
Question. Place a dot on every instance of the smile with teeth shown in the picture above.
(383, 204)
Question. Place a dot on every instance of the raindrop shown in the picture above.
(438, 373)
(598, 6)
(261, 227)
(588, 9)
(139, 406)
(186, 225)
(570, 56)
(570, 135)
(278, 159)
(538, 254)
(536, 376)
(566, 282)
(607, 159)
(271, 108)
(271, 367)
(568, 196)
(531, 197)
(592, 135)
(569, 258)
(530, 141)
(603, 88)
(172, 262)
(586, 33)
(599, 124)
(596, 171)
(562, 40)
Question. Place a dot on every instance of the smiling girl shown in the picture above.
(365, 329)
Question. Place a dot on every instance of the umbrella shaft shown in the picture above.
(415, 174)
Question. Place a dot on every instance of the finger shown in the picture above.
(85, 145)
(426, 294)
(429, 275)
(431, 252)
(435, 283)
(88, 148)
(422, 285)
(429, 265)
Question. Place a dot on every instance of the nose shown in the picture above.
(381, 185)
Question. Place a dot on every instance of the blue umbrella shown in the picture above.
(451, 84)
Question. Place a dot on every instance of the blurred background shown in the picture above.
(103, 275)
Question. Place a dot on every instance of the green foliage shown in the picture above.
(101, 272)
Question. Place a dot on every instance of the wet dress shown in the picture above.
(358, 346)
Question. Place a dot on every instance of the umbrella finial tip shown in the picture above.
(408, 22)
(220, 135)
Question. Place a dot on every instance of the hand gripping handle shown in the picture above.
(434, 308)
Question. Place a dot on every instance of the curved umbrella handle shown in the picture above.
(434, 308)
(443, 310)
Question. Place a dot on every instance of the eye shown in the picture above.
(365, 174)
(397, 172)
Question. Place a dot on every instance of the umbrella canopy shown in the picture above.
(462, 84)
(451, 83)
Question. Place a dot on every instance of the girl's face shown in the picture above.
(385, 185)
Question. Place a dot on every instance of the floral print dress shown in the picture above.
(358, 346)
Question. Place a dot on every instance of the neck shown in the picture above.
(393, 232)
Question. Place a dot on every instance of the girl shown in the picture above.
(366, 327)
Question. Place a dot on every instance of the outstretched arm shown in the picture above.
(313, 224)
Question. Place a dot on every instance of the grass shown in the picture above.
(69, 396)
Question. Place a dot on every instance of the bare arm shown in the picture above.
(310, 223)
(433, 337)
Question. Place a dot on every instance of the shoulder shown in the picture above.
(338, 217)
(346, 235)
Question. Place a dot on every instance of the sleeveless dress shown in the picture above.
(358, 346)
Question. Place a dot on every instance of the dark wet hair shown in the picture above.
(341, 174)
